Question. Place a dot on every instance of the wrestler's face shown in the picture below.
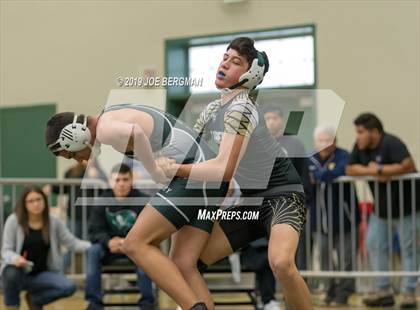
(79, 156)
(230, 69)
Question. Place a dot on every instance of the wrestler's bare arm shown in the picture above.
(128, 136)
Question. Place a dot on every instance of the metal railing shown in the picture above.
(333, 233)
(344, 239)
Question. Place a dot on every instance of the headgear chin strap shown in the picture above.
(73, 137)
(253, 76)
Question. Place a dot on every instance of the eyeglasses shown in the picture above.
(34, 200)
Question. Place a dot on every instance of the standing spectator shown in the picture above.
(108, 226)
(330, 208)
(292, 147)
(295, 150)
(382, 155)
(31, 256)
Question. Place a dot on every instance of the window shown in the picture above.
(291, 52)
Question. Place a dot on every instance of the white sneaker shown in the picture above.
(272, 305)
(235, 266)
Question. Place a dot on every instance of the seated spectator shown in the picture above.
(31, 256)
(330, 209)
(75, 216)
(108, 225)
(79, 171)
(382, 155)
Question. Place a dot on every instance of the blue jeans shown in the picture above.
(45, 287)
(98, 256)
(377, 245)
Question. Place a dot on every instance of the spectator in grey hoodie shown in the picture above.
(31, 256)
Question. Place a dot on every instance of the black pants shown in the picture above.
(256, 258)
(338, 289)
(301, 253)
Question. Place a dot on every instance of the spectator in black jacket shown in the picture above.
(109, 222)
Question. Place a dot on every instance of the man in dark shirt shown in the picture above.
(108, 226)
(256, 254)
(382, 155)
(295, 151)
(291, 146)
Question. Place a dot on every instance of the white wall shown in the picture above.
(71, 52)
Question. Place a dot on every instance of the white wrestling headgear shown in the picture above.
(73, 137)
(254, 75)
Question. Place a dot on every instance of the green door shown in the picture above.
(22, 146)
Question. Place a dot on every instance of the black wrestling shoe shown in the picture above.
(199, 306)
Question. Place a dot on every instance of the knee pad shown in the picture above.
(201, 266)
